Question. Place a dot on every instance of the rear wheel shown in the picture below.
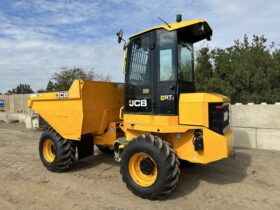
(149, 167)
(56, 153)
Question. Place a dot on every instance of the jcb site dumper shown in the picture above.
(150, 123)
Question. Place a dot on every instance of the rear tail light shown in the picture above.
(218, 117)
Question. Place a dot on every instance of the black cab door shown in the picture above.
(174, 69)
(138, 78)
(166, 96)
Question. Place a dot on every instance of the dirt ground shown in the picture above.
(251, 181)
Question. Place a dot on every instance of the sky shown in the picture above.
(38, 37)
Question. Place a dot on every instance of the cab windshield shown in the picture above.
(175, 57)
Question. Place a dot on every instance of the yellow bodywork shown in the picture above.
(87, 108)
(94, 107)
(109, 136)
(193, 107)
(179, 130)
(175, 26)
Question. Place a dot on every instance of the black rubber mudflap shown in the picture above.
(85, 146)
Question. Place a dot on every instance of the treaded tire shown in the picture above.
(166, 162)
(64, 151)
(105, 149)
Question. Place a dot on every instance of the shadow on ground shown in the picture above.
(222, 172)
(93, 161)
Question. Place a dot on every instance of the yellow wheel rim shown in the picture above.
(142, 169)
(48, 152)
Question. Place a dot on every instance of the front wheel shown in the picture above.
(56, 153)
(149, 167)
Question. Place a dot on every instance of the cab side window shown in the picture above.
(185, 68)
(166, 56)
(139, 65)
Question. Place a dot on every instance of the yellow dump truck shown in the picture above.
(150, 123)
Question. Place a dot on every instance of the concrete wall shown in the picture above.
(31, 120)
(256, 125)
(15, 109)
(16, 103)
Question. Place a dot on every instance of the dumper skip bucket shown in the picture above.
(87, 108)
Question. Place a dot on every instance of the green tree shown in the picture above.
(9, 92)
(50, 86)
(21, 89)
(203, 70)
(246, 72)
(63, 80)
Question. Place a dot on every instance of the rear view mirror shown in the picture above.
(120, 36)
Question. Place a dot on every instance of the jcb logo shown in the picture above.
(137, 103)
(62, 95)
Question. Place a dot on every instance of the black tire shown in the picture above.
(166, 163)
(105, 149)
(63, 150)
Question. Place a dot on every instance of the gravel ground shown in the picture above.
(251, 181)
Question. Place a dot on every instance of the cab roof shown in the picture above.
(176, 26)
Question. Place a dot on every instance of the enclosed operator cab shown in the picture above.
(160, 97)
(160, 66)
